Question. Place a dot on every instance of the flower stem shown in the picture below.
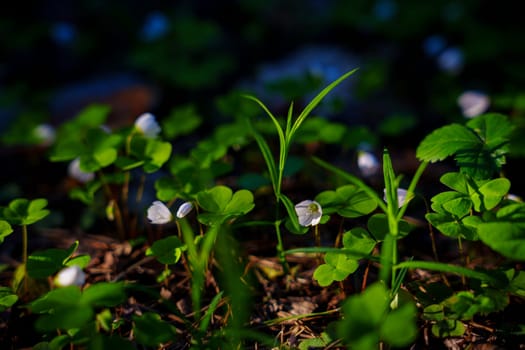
(280, 246)
(24, 255)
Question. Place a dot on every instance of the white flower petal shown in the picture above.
(184, 209)
(473, 103)
(70, 276)
(45, 133)
(147, 125)
(401, 196)
(308, 212)
(367, 163)
(158, 213)
(78, 174)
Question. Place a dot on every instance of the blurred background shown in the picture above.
(415, 60)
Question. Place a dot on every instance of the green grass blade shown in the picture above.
(316, 100)
(205, 322)
(449, 268)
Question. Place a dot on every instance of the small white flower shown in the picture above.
(367, 163)
(473, 103)
(45, 133)
(147, 125)
(309, 212)
(401, 196)
(70, 276)
(514, 197)
(184, 209)
(158, 213)
(78, 174)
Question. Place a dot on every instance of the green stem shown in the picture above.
(24, 255)
(280, 246)
(462, 254)
(24, 244)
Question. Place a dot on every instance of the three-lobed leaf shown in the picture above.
(479, 146)
(22, 211)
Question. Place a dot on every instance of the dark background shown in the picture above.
(56, 57)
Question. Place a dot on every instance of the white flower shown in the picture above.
(184, 209)
(309, 212)
(70, 276)
(367, 163)
(473, 103)
(147, 125)
(78, 174)
(158, 213)
(401, 196)
(45, 133)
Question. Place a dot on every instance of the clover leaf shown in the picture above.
(368, 320)
(506, 234)
(5, 230)
(167, 250)
(348, 201)
(221, 204)
(339, 265)
(479, 146)
(23, 211)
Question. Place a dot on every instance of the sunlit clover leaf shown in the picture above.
(151, 153)
(5, 230)
(506, 235)
(42, 264)
(454, 203)
(368, 320)
(338, 266)
(482, 194)
(167, 250)
(359, 241)
(348, 201)
(23, 211)
(101, 150)
(7, 298)
(94, 115)
(490, 194)
(221, 204)
(479, 147)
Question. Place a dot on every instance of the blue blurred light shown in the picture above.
(63, 33)
(155, 26)
(433, 45)
(451, 60)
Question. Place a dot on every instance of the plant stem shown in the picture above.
(280, 246)
(24, 254)
(462, 254)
